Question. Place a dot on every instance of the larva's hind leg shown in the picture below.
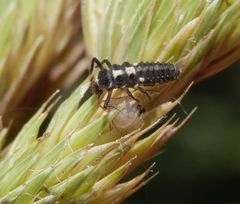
(139, 106)
(144, 92)
(140, 109)
(131, 96)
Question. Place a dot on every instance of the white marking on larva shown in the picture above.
(130, 70)
(117, 73)
(135, 63)
(141, 79)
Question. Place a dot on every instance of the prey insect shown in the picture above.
(125, 76)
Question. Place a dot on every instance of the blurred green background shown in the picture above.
(201, 163)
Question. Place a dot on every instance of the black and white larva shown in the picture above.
(127, 75)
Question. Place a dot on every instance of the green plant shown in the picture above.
(85, 151)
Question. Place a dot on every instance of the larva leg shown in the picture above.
(139, 107)
(130, 95)
(106, 102)
(126, 64)
(144, 92)
(106, 62)
(97, 62)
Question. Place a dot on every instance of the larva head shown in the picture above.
(104, 79)
(101, 82)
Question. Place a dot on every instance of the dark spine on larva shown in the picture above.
(154, 73)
